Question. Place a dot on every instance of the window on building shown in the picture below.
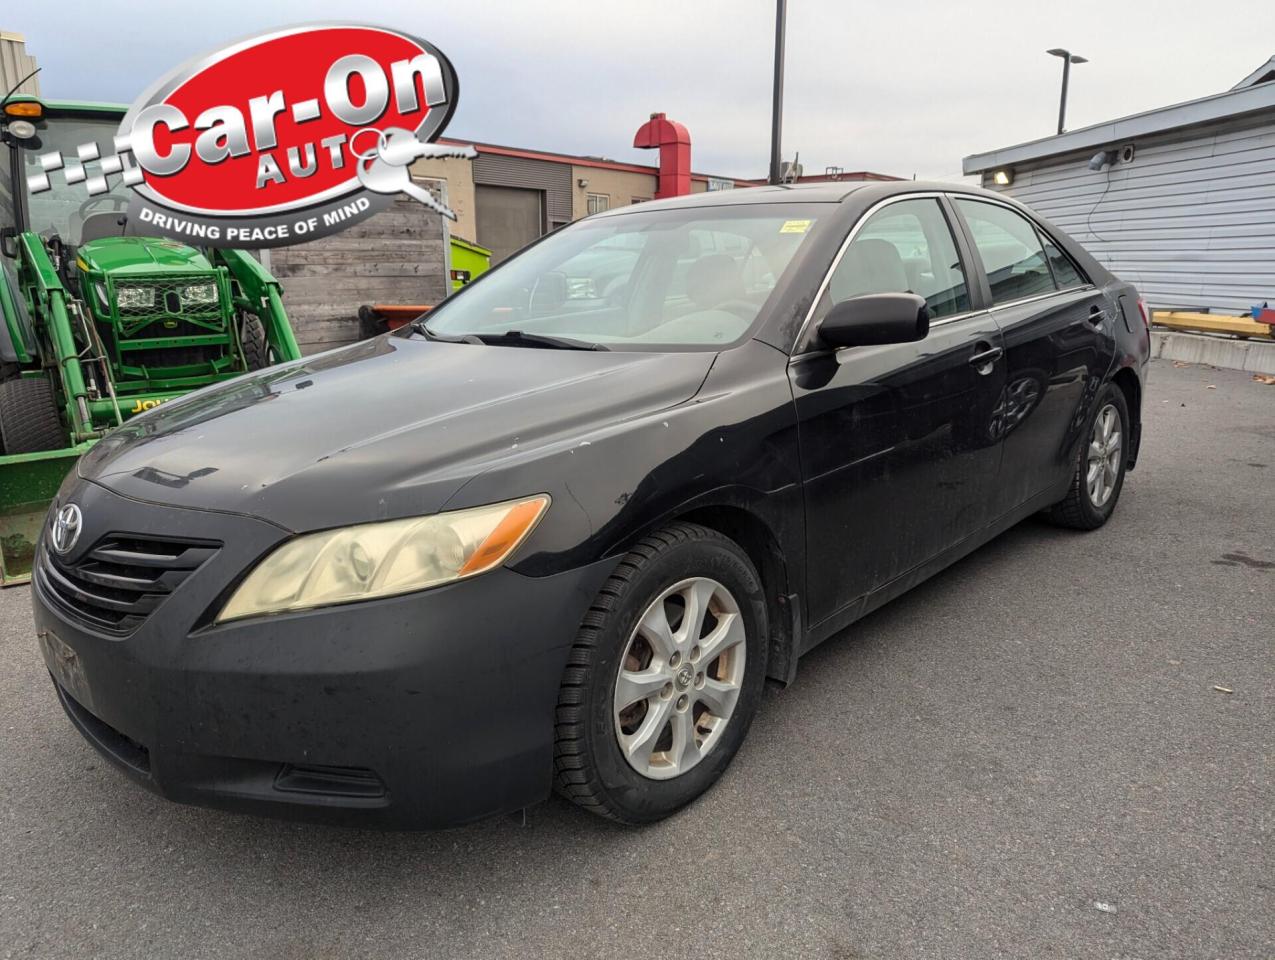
(599, 202)
(639, 199)
(1011, 251)
(906, 247)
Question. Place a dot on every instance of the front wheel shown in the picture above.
(664, 677)
(1098, 475)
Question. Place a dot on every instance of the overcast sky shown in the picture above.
(897, 87)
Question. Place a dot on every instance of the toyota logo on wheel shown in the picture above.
(66, 528)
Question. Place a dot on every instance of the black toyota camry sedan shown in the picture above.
(557, 533)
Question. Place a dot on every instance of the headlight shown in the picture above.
(135, 298)
(199, 293)
(384, 559)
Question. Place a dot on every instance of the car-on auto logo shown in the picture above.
(65, 530)
(282, 137)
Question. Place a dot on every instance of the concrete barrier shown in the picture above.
(1255, 356)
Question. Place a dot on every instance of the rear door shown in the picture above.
(897, 458)
(1058, 345)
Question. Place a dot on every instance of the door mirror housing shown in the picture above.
(876, 318)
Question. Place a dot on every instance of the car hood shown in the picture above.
(386, 428)
(140, 255)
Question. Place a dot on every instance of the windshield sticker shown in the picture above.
(795, 226)
(282, 137)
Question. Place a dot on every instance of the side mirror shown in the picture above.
(876, 318)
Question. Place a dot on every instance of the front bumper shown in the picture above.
(425, 710)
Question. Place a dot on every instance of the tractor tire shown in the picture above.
(29, 419)
(256, 348)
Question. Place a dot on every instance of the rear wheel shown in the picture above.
(256, 347)
(1098, 476)
(29, 419)
(664, 677)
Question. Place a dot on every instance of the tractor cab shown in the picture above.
(161, 314)
(99, 322)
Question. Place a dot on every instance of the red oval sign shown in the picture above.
(276, 122)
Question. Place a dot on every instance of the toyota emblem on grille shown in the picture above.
(66, 528)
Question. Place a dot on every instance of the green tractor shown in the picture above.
(98, 324)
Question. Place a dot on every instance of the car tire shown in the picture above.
(29, 420)
(1089, 504)
(682, 566)
(256, 347)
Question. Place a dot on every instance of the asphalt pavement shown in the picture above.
(1063, 746)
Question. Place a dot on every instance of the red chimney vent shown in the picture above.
(674, 144)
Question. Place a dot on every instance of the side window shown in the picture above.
(1010, 249)
(906, 247)
(1065, 273)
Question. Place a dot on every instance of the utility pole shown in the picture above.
(1068, 58)
(777, 104)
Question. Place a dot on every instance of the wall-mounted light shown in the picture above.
(1103, 158)
(582, 183)
(1003, 177)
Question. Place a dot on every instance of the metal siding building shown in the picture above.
(16, 64)
(1190, 218)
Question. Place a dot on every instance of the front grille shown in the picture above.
(167, 304)
(122, 580)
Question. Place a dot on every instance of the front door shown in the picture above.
(899, 452)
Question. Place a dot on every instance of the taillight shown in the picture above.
(1146, 316)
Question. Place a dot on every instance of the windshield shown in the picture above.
(673, 278)
(63, 209)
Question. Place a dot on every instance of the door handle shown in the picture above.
(1097, 315)
(985, 359)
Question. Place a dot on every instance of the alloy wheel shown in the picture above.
(1105, 448)
(680, 678)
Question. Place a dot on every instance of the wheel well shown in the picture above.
(756, 540)
(1128, 383)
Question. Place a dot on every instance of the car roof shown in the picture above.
(835, 191)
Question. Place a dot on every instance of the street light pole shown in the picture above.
(777, 104)
(1068, 58)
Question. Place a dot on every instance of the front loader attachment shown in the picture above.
(28, 484)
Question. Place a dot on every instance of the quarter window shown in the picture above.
(1065, 273)
(906, 247)
(1010, 249)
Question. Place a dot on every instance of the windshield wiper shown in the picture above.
(519, 338)
(510, 338)
(418, 326)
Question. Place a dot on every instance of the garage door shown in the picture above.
(509, 218)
